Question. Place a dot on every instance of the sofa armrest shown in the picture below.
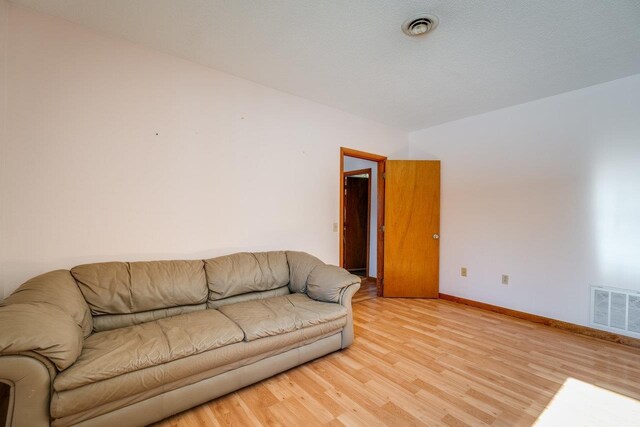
(41, 328)
(326, 282)
(300, 265)
(57, 288)
(345, 300)
(329, 283)
(29, 378)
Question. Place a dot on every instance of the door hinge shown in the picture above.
(384, 175)
(382, 229)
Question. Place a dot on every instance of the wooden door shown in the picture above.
(412, 229)
(357, 195)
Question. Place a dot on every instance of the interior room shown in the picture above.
(283, 213)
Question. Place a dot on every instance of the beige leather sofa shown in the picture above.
(120, 344)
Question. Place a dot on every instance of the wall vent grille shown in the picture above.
(615, 310)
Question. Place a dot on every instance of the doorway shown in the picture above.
(407, 231)
(361, 218)
(357, 220)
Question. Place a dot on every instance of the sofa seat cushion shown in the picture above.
(279, 315)
(110, 394)
(119, 351)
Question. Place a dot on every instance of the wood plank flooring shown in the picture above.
(434, 362)
(368, 289)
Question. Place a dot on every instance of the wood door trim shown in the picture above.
(352, 173)
(349, 152)
(358, 172)
(381, 160)
(559, 324)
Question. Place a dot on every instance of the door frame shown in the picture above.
(381, 161)
(344, 196)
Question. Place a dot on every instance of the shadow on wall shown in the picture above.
(616, 204)
(547, 192)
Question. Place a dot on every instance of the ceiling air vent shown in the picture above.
(419, 25)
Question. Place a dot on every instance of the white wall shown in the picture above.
(547, 192)
(118, 152)
(352, 164)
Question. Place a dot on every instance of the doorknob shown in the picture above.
(436, 236)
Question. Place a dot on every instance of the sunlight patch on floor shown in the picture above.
(582, 404)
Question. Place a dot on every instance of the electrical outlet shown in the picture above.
(505, 279)
(463, 271)
(335, 227)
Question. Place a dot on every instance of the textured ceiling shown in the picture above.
(353, 56)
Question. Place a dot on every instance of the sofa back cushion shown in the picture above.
(124, 288)
(242, 273)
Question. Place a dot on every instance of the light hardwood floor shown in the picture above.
(434, 362)
(368, 289)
